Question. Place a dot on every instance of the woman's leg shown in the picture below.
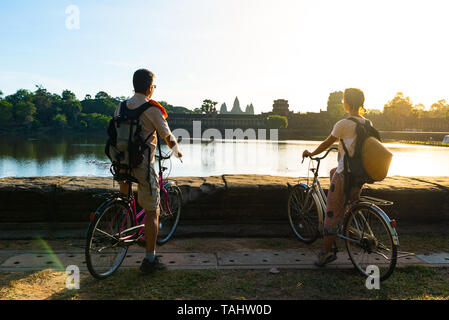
(334, 211)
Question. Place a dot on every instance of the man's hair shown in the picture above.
(142, 80)
(354, 98)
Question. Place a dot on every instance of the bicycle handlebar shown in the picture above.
(327, 153)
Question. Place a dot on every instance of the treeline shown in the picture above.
(399, 107)
(398, 114)
(26, 110)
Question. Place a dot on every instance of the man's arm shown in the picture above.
(160, 124)
(173, 144)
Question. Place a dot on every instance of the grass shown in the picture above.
(413, 282)
(424, 242)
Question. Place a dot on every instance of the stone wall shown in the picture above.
(228, 199)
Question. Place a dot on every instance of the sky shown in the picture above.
(257, 50)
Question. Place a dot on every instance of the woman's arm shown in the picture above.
(322, 147)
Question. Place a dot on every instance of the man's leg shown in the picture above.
(124, 188)
(151, 230)
(151, 262)
(149, 198)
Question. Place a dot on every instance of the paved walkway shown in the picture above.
(30, 260)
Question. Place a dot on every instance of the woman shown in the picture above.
(345, 132)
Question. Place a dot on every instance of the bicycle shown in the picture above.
(369, 234)
(116, 225)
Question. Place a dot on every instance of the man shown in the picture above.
(153, 120)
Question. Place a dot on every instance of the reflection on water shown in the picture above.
(84, 156)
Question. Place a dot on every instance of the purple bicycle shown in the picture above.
(116, 225)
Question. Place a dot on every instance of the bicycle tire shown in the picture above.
(366, 218)
(169, 222)
(102, 216)
(304, 223)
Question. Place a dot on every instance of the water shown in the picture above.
(84, 156)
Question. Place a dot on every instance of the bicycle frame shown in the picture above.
(137, 216)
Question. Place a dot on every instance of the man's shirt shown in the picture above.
(152, 121)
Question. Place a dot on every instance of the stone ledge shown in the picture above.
(231, 198)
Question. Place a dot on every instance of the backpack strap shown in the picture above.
(134, 113)
(371, 131)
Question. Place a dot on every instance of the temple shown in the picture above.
(236, 109)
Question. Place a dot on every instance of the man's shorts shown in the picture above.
(336, 203)
(148, 198)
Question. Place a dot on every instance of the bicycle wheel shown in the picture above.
(170, 213)
(104, 251)
(303, 216)
(369, 240)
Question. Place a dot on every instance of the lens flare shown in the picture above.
(53, 257)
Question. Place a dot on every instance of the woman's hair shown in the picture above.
(355, 99)
(142, 80)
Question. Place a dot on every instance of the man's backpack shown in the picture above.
(371, 160)
(125, 146)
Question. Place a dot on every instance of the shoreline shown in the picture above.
(70, 133)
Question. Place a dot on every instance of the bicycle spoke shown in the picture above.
(373, 244)
(106, 234)
(105, 251)
(303, 214)
(381, 254)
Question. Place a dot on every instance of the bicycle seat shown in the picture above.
(125, 177)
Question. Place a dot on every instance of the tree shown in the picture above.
(71, 107)
(23, 112)
(277, 122)
(102, 96)
(60, 121)
(208, 107)
(439, 109)
(98, 121)
(68, 95)
(399, 106)
(5, 112)
(100, 106)
(335, 106)
(46, 105)
(21, 95)
(1, 94)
